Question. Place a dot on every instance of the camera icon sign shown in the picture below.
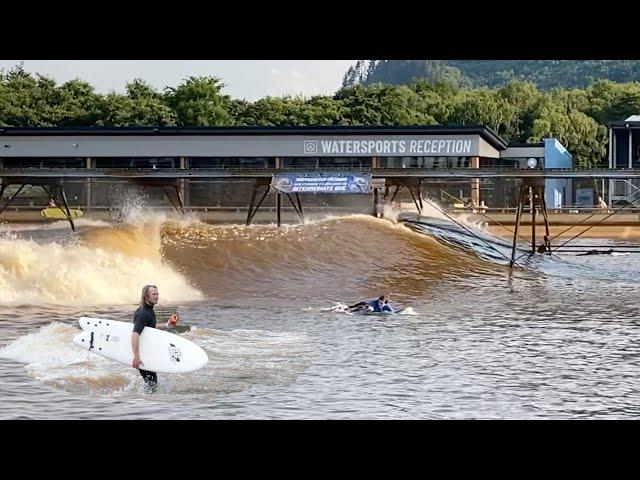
(310, 146)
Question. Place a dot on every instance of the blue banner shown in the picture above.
(322, 183)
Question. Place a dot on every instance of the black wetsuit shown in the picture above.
(359, 307)
(597, 252)
(146, 317)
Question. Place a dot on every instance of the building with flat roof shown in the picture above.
(278, 148)
(624, 152)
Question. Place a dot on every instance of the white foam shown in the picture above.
(49, 345)
(51, 357)
(239, 359)
(35, 274)
(408, 311)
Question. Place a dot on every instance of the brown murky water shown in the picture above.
(557, 338)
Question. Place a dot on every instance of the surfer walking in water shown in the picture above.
(143, 317)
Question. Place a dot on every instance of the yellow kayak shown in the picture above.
(60, 214)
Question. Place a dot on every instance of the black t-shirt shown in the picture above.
(144, 317)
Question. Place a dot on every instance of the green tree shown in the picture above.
(381, 104)
(545, 74)
(585, 139)
(273, 111)
(438, 99)
(26, 100)
(323, 110)
(482, 107)
(77, 104)
(520, 100)
(239, 111)
(199, 102)
(613, 101)
(140, 106)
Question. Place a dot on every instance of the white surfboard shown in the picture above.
(160, 351)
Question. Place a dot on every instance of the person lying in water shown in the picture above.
(597, 252)
(380, 304)
(359, 307)
(387, 307)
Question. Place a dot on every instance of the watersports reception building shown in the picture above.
(277, 149)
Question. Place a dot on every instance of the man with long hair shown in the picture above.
(143, 317)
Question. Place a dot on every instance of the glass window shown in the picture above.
(425, 162)
(326, 162)
(44, 162)
(622, 149)
(231, 162)
(635, 148)
(137, 162)
(516, 162)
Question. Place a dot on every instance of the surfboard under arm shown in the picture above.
(160, 351)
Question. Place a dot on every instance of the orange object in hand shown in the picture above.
(173, 319)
